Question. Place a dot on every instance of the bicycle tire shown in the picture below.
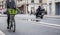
(14, 26)
(10, 25)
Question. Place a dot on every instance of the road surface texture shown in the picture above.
(28, 27)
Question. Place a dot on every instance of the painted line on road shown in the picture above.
(1, 33)
(47, 24)
(50, 24)
(43, 23)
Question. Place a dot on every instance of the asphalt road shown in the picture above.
(25, 27)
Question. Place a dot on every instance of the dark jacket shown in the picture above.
(10, 4)
(38, 11)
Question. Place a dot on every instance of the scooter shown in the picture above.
(40, 15)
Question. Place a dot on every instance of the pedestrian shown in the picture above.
(31, 12)
(38, 11)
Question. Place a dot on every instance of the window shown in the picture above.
(19, 0)
(32, 10)
(1, 4)
(40, 1)
(32, 1)
(10, 0)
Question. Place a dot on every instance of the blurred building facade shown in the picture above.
(44, 4)
(52, 7)
(25, 6)
(28, 6)
(21, 4)
(2, 6)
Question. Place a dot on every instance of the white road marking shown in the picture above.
(50, 25)
(47, 24)
(44, 23)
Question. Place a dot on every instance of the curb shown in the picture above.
(47, 16)
(3, 15)
(56, 17)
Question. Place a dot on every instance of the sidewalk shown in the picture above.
(30, 16)
(25, 16)
(57, 17)
(3, 15)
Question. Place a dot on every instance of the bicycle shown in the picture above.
(12, 25)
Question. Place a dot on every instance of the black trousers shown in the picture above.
(8, 18)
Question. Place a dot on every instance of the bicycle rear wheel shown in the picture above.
(10, 25)
(14, 26)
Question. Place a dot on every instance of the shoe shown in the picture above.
(7, 27)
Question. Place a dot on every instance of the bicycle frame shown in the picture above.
(11, 24)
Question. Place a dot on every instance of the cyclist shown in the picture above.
(11, 10)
